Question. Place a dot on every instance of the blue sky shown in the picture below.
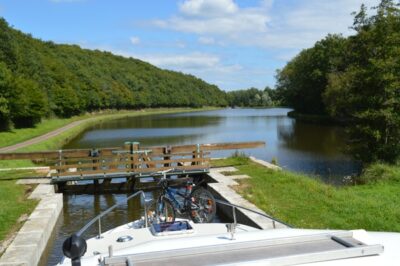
(233, 44)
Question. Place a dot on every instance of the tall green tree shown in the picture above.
(368, 90)
(65, 102)
(5, 87)
(302, 82)
(28, 103)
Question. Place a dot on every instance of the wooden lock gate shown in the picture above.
(130, 161)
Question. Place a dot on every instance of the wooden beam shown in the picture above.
(159, 150)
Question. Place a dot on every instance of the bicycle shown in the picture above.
(196, 201)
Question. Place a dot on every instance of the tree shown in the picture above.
(5, 84)
(368, 90)
(65, 101)
(28, 102)
(302, 82)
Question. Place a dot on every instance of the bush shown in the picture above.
(378, 172)
(240, 156)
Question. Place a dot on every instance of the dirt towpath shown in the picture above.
(42, 137)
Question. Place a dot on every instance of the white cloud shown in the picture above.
(297, 25)
(206, 40)
(218, 17)
(135, 40)
(194, 60)
(208, 8)
(180, 44)
(206, 66)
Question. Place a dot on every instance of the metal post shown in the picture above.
(59, 162)
(233, 226)
(76, 262)
(99, 236)
(146, 222)
(234, 215)
(110, 251)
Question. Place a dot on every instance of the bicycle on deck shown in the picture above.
(195, 201)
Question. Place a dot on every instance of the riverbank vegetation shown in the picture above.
(39, 79)
(355, 79)
(13, 201)
(253, 98)
(309, 203)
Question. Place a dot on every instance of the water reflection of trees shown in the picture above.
(317, 139)
(161, 121)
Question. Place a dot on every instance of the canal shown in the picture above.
(298, 146)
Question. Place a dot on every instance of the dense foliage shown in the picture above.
(301, 83)
(253, 98)
(40, 78)
(355, 78)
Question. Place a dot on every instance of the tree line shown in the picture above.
(253, 98)
(40, 79)
(355, 79)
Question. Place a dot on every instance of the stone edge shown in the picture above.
(31, 240)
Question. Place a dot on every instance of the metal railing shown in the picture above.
(98, 217)
(234, 207)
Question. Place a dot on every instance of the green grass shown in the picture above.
(308, 203)
(13, 202)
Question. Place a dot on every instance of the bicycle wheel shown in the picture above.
(201, 206)
(165, 211)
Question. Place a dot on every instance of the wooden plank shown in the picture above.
(90, 165)
(159, 150)
(128, 164)
(148, 161)
(42, 155)
(126, 157)
(181, 160)
(154, 170)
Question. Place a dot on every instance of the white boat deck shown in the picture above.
(211, 244)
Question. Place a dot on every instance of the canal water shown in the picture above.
(298, 146)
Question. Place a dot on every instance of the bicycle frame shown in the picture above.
(171, 193)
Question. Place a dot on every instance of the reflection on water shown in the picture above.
(315, 149)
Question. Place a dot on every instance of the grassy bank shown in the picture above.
(307, 203)
(13, 202)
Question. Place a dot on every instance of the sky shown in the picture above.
(230, 43)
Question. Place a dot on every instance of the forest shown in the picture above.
(253, 98)
(41, 79)
(356, 79)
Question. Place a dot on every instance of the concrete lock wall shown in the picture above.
(31, 241)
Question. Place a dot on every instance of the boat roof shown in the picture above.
(212, 244)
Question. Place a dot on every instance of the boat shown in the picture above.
(184, 242)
